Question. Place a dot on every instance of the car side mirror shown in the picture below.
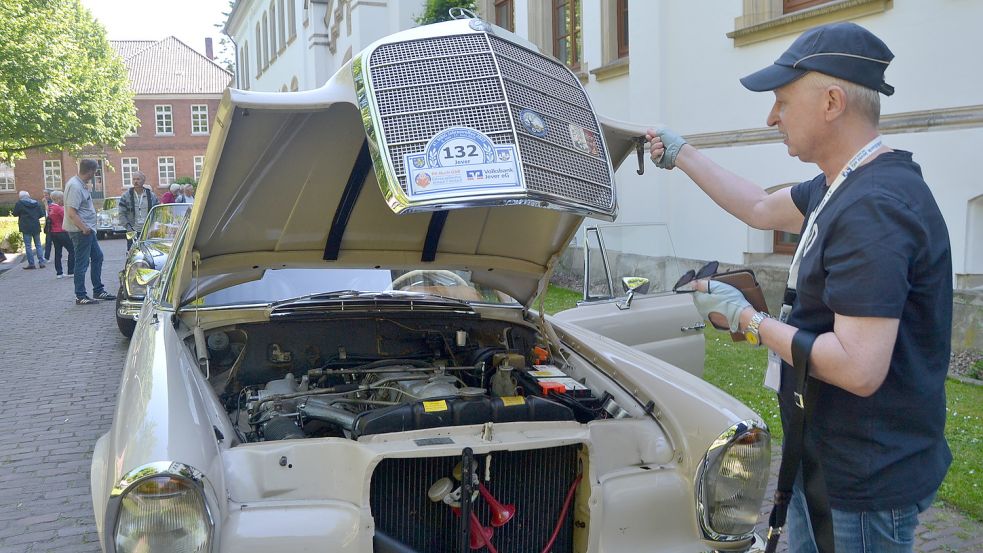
(146, 277)
(638, 285)
(632, 285)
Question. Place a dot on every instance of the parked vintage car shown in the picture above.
(149, 251)
(342, 353)
(108, 221)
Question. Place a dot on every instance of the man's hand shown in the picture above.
(87, 230)
(712, 296)
(664, 146)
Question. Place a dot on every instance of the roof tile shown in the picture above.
(170, 66)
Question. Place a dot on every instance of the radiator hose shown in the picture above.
(563, 514)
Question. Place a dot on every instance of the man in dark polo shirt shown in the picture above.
(872, 278)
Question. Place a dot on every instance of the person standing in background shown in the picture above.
(134, 205)
(29, 212)
(59, 238)
(80, 222)
(46, 201)
(170, 196)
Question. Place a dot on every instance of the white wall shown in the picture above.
(684, 72)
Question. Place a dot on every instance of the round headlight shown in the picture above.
(133, 287)
(731, 481)
(163, 513)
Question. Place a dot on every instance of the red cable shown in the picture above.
(563, 514)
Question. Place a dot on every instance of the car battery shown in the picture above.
(543, 379)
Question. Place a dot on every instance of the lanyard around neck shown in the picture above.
(806, 238)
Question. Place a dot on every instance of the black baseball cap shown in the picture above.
(843, 50)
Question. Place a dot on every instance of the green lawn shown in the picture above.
(740, 370)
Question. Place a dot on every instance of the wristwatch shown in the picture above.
(751, 332)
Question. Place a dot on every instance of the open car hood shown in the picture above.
(317, 178)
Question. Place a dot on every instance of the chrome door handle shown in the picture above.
(696, 326)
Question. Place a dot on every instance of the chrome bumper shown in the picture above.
(129, 309)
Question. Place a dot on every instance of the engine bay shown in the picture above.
(362, 375)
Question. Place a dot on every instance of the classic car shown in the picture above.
(108, 222)
(343, 350)
(151, 246)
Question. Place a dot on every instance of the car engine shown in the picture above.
(383, 375)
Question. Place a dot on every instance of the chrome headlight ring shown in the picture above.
(133, 287)
(184, 474)
(731, 482)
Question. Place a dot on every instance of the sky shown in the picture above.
(188, 20)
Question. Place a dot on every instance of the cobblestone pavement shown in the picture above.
(60, 375)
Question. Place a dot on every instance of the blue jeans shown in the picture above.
(30, 248)
(87, 250)
(889, 531)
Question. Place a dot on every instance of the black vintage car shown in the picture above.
(149, 252)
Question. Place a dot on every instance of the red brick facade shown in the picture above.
(147, 146)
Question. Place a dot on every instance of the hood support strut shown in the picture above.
(434, 230)
(356, 180)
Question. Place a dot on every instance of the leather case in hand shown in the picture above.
(745, 281)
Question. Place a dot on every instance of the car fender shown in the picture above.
(693, 411)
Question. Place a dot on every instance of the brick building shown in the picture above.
(177, 91)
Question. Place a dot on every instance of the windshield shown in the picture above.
(164, 221)
(285, 284)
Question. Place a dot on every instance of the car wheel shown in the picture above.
(100, 235)
(126, 326)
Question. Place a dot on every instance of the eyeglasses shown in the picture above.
(689, 276)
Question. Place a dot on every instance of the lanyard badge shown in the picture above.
(808, 238)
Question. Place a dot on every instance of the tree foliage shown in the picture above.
(62, 86)
(437, 10)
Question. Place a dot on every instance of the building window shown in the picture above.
(199, 163)
(259, 51)
(199, 119)
(785, 242)
(281, 25)
(504, 10)
(52, 174)
(6, 178)
(789, 6)
(165, 120)
(128, 166)
(622, 17)
(267, 58)
(165, 170)
(292, 18)
(273, 33)
(566, 32)
(244, 65)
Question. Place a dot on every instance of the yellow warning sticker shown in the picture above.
(434, 406)
(513, 400)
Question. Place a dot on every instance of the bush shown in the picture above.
(185, 180)
(13, 242)
(6, 210)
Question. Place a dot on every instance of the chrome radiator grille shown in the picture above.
(483, 82)
(535, 481)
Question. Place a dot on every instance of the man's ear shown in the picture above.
(834, 102)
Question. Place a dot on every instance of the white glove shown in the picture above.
(724, 299)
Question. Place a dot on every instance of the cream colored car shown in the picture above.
(342, 352)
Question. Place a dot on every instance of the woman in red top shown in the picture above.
(59, 238)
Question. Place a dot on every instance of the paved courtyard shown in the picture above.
(60, 374)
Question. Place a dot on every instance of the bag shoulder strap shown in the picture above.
(797, 453)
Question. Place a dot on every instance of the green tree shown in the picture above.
(62, 86)
(436, 10)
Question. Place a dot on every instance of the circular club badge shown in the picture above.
(460, 146)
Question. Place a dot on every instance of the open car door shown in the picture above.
(629, 271)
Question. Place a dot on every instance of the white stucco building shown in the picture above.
(678, 62)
